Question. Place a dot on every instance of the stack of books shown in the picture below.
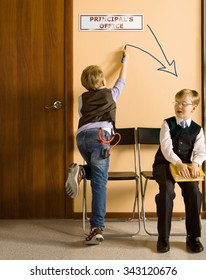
(178, 178)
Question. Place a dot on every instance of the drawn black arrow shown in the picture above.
(167, 67)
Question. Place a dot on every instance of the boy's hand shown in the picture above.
(125, 54)
(194, 170)
(188, 171)
(124, 64)
(183, 169)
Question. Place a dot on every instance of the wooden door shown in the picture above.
(33, 139)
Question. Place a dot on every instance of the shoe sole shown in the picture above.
(96, 240)
(72, 186)
(163, 251)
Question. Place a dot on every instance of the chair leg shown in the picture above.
(144, 216)
(84, 212)
(143, 210)
(134, 211)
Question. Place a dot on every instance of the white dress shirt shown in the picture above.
(199, 150)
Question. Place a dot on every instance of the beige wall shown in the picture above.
(148, 94)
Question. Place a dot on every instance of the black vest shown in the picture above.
(183, 140)
(97, 106)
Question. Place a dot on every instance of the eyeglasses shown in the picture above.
(184, 104)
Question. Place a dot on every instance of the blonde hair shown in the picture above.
(92, 77)
(192, 93)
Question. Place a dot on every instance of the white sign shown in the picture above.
(111, 22)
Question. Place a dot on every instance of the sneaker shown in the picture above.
(95, 237)
(73, 180)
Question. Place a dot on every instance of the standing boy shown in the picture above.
(97, 110)
(181, 141)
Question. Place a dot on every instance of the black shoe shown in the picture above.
(163, 245)
(194, 244)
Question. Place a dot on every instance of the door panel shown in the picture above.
(32, 76)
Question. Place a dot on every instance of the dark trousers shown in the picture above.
(164, 202)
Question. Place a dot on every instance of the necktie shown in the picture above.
(183, 124)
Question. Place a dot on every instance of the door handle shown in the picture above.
(57, 105)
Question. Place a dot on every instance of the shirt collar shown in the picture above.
(179, 120)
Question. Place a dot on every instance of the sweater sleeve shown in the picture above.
(118, 88)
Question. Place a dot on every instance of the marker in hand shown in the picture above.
(122, 60)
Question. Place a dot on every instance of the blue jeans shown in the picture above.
(96, 170)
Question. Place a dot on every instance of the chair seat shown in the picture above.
(122, 176)
(147, 175)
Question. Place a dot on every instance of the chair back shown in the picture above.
(147, 135)
(128, 136)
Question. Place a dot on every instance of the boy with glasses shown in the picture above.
(181, 141)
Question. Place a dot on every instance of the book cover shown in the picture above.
(178, 178)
